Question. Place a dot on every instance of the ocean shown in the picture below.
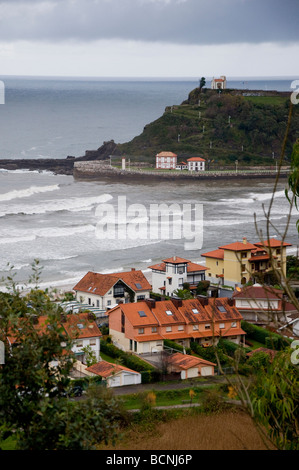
(55, 219)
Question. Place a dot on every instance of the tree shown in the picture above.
(34, 381)
(202, 83)
(183, 294)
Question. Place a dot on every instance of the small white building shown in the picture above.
(115, 375)
(196, 164)
(172, 273)
(189, 366)
(219, 83)
(166, 161)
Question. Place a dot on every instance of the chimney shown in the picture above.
(133, 269)
(174, 258)
(203, 300)
(244, 240)
(151, 303)
(176, 302)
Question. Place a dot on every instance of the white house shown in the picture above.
(172, 273)
(115, 375)
(219, 83)
(166, 160)
(262, 304)
(106, 290)
(196, 164)
(84, 332)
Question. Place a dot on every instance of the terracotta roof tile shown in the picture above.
(78, 325)
(106, 369)
(185, 361)
(100, 284)
(218, 254)
(196, 159)
(273, 243)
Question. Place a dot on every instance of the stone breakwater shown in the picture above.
(95, 170)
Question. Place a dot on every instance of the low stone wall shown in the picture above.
(97, 170)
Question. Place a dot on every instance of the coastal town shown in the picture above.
(182, 336)
(187, 307)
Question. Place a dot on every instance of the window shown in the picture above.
(181, 328)
(140, 297)
(141, 313)
(168, 329)
(168, 312)
(170, 281)
(140, 331)
(135, 346)
(243, 268)
(278, 251)
(108, 302)
(80, 344)
(92, 342)
(222, 325)
(138, 285)
(234, 324)
(98, 303)
(122, 322)
(207, 327)
(195, 327)
(244, 254)
(221, 309)
(194, 310)
(131, 344)
(89, 301)
(154, 329)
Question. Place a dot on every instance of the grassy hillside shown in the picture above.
(221, 127)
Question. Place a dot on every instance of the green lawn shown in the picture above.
(164, 398)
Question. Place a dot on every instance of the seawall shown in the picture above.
(96, 170)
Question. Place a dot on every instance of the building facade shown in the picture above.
(196, 164)
(166, 161)
(172, 273)
(240, 262)
(142, 327)
(105, 290)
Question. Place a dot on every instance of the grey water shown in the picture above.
(54, 218)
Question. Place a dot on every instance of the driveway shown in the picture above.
(158, 386)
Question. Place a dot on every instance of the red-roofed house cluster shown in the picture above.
(142, 327)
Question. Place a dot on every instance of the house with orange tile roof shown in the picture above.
(263, 304)
(114, 375)
(166, 161)
(237, 263)
(106, 290)
(83, 331)
(196, 164)
(142, 327)
(189, 366)
(80, 328)
(172, 273)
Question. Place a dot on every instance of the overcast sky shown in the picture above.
(149, 38)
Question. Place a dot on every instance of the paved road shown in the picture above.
(130, 389)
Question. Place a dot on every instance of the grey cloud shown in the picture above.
(174, 21)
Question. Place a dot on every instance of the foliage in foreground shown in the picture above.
(34, 381)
